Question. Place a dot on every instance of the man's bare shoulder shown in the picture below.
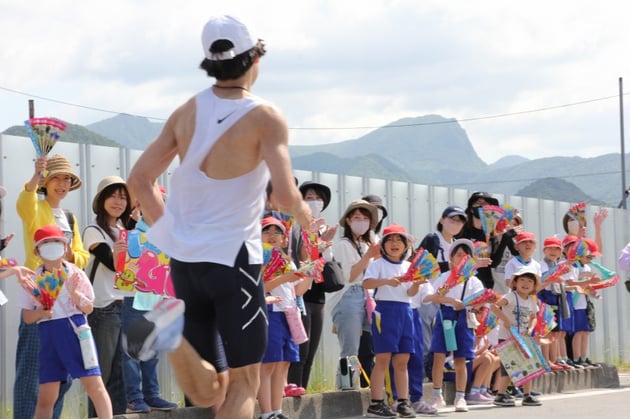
(184, 110)
(269, 118)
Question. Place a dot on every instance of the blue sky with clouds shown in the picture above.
(336, 65)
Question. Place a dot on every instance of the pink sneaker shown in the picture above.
(477, 398)
(292, 390)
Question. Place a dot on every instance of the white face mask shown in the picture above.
(574, 227)
(51, 250)
(359, 227)
(316, 207)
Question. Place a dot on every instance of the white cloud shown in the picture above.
(338, 64)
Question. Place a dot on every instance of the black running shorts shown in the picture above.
(226, 316)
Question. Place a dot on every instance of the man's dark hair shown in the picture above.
(235, 67)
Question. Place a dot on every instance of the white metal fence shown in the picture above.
(417, 207)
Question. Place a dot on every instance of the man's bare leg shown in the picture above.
(198, 378)
(240, 401)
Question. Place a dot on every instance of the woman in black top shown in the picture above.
(473, 231)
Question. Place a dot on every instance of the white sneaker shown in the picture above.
(438, 402)
(460, 405)
(158, 330)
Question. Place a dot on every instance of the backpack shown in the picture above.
(431, 243)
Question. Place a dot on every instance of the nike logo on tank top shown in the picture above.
(205, 219)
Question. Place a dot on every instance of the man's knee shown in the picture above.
(246, 378)
(203, 397)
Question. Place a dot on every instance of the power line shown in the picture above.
(490, 182)
(75, 104)
(447, 121)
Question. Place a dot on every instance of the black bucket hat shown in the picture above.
(322, 190)
(482, 195)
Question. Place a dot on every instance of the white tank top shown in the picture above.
(206, 219)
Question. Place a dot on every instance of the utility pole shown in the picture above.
(624, 191)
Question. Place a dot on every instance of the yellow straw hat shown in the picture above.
(60, 165)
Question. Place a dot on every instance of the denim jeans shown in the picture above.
(141, 381)
(349, 317)
(106, 329)
(26, 386)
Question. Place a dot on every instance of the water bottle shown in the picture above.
(88, 347)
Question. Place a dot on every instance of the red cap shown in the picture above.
(269, 221)
(525, 236)
(568, 239)
(397, 229)
(593, 248)
(552, 242)
(49, 232)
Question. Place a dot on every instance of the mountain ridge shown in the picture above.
(428, 149)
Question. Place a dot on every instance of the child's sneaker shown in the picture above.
(489, 396)
(405, 410)
(478, 398)
(504, 400)
(460, 404)
(138, 406)
(158, 403)
(424, 408)
(530, 400)
(438, 402)
(380, 410)
(514, 392)
(292, 390)
(158, 330)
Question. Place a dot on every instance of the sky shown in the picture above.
(535, 79)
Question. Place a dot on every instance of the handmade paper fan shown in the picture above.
(313, 244)
(509, 214)
(487, 322)
(311, 268)
(554, 274)
(578, 213)
(490, 216)
(423, 266)
(273, 262)
(609, 278)
(465, 269)
(545, 321)
(482, 249)
(285, 219)
(44, 133)
(481, 297)
(48, 287)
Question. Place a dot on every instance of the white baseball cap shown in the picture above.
(227, 28)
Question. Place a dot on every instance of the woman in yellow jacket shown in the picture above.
(53, 178)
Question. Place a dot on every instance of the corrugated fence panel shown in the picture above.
(417, 207)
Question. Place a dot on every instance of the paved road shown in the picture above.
(604, 403)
